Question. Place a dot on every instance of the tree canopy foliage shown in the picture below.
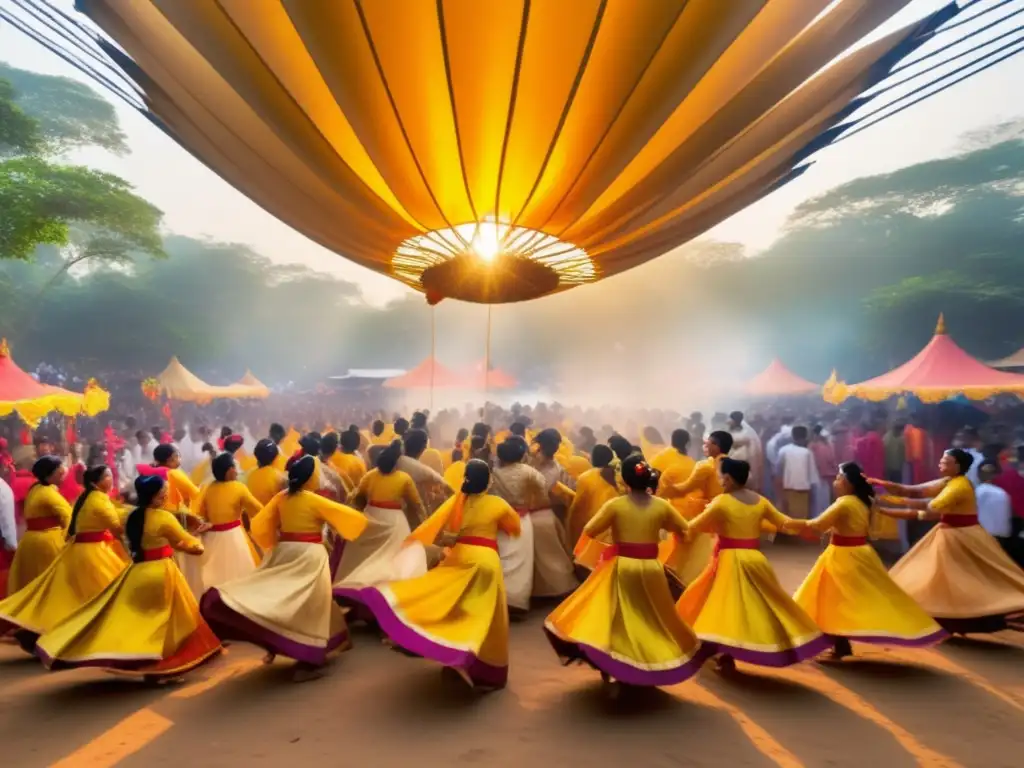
(45, 200)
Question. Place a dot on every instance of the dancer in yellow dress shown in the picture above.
(594, 488)
(389, 500)
(146, 621)
(737, 605)
(266, 481)
(47, 515)
(958, 573)
(285, 606)
(91, 560)
(687, 557)
(456, 614)
(848, 592)
(347, 461)
(622, 621)
(223, 505)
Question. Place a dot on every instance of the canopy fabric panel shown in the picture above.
(778, 380)
(1016, 360)
(22, 395)
(251, 387)
(177, 382)
(427, 374)
(495, 378)
(938, 372)
(547, 144)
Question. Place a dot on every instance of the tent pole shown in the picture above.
(487, 355)
(433, 357)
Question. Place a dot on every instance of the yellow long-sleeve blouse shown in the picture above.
(265, 483)
(592, 493)
(226, 502)
(305, 512)
(636, 522)
(703, 480)
(394, 488)
(46, 501)
(955, 498)
(349, 465)
(98, 513)
(728, 516)
(162, 528)
(847, 516)
(180, 490)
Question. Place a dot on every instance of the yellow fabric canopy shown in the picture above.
(177, 382)
(503, 150)
(31, 401)
(251, 387)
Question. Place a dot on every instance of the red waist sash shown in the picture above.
(221, 527)
(848, 541)
(93, 537)
(160, 553)
(478, 541)
(522, 511)
(633, 550)
(724, 542)
(959, 521)
(385, 504)
(42, 523)
(301, 538)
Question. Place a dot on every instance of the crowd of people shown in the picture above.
(146, 550)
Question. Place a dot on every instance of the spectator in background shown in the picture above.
(895, 452)
(824, 461)
(971, 442)
(1011, 481)
(796, 475)
(994, 507)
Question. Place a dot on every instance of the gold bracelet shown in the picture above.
(921, 514)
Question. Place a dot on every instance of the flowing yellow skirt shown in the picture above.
(145, 623)
(738, 607)
(622, 621)
(848, 593)
(687, 557)
(455, 614)
(284, 606)
(80, 572)
(588, 551)
(962, 578)
(35, 553)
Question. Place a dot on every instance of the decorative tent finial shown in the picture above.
(940, 327)
(5, 351)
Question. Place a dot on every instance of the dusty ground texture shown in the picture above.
(961, 704)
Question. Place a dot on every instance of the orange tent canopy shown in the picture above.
(22, 394)
(939, 371)
(494, 379)
(777, 380)
(429, 373)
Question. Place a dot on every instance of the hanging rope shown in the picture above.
(965, 38)
(433, 355)
(487, 354)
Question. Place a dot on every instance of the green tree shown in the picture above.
(94, 215)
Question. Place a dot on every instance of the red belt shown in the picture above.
(221, 527)
(301, 538)
(385, 504)
(93, 537)
(848, 541)
(478, 541)
(628, 549)
(522, 511)
(726, 543)
(327, 494)
(160, 553)
(959, 521)
(42, 523)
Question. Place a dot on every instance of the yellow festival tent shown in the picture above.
(502, 150)
(251, 387)
(31, 401)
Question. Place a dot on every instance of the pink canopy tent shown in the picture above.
(493, 379)
(428, 374)
(777, 380)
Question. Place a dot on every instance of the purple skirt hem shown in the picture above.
(228, 624)
(479, 672)
(908, 642)
(569, 650)
(774, 658)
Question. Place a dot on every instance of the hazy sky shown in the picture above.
(198, 203)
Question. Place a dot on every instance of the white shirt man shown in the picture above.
(995, 512)
(8, 524)
(797, 474)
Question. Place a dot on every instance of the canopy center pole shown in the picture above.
(433, 356)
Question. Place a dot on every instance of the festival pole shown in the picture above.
(487, 356)
(433, 356)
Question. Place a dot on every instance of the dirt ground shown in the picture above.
(958, 705)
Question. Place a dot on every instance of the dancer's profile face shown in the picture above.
(948, 466)
(842, 486)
